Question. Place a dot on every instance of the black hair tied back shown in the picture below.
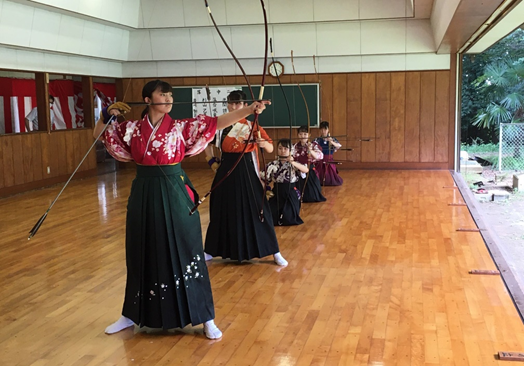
(150, 88)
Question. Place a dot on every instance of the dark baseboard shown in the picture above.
(21, 188)
(348, 165)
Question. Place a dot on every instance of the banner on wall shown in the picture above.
(64, 107)
(106, 92)
(18, 98)
(105, 95)
(2, 120)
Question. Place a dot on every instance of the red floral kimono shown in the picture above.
(167, 143)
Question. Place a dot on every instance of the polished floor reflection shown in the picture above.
(378, 275)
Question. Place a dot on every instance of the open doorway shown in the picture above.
(104, 94)
(492, 146)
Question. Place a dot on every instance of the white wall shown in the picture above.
(27, 27)
(443, 11)
(305, 39)
(87, 37)
(348, 46)
(338, 64)
(192, 13)
(121, 12)
(39, 61)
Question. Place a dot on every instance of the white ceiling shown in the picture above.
(508, 24)
(423, 9)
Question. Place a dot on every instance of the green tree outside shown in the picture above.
(492, 89)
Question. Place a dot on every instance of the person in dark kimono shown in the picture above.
(236, 229)
(307, 153)
(327, 172)
(284, 174)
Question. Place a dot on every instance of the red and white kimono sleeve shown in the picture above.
(166, 143)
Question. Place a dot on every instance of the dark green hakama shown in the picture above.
(167, 279)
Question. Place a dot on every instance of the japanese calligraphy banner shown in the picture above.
(217, 102)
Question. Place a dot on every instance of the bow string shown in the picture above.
(289, 115)
(308, 124)
(41, 220)
(255, 125)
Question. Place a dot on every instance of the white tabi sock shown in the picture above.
(279, 259)
(207, 257)
(211, 330)
(121, 324)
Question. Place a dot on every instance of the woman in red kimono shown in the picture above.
(167, 279)
(235, 229)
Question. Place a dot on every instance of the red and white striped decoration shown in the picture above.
(18, 98)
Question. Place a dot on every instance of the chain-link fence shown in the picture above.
(511, 146)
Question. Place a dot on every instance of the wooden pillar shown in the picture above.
(119, 84)
(88, 96)
(42, 101)
(453, 122)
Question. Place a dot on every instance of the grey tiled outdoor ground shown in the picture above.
(507, 220)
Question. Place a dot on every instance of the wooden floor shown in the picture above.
(378, 275)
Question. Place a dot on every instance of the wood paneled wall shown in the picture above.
(24, 159)
(406, 116)
(391, 120)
